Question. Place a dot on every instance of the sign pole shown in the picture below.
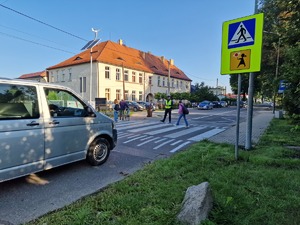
(248, 144)
(238, 117)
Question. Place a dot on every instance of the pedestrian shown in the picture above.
(181, 113)
(168, 109)
(123, 106)
(116, 108)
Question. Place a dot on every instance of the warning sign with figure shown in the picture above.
(240, 60)
(242, 44)
(241, 33)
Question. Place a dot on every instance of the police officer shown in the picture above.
(168, 108)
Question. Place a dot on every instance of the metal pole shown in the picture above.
(248, 145)
(238, 117)
(276, 75)
(169, 74)
(123, 82)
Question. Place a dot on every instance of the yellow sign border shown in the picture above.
(256, 48)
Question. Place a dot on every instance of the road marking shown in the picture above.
(180, 146)
(145, 142)
(133, 125)
(146, 138)
(127, 136)
(205, 135)
(147, 128)
(176, 142)
(162, 130)
(133, 139)
(160, 140)
(184, 132)
(166, 142)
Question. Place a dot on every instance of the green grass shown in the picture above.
(262, 187)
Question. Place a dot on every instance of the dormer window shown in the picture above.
(78, 58)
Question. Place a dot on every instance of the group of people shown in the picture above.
(121, 110)
(181, 111)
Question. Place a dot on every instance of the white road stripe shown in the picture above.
(145, 142)
(176, 142)
(146, 138)
(166, 142)
(160, 140)
(159, 131)
(184, 132)
(180, 146)
(205, 135)
(130, 126)
(147, 127)
(133, 139)
(127, 135)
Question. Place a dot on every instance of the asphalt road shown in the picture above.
(141, 140)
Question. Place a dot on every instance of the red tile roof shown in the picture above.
(33, 75)
(117, 54)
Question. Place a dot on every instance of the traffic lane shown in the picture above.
(21, 201)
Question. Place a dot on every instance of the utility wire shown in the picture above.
(12, 36)
(22, 14)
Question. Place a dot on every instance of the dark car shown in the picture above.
(146, 104)
(205, 105)
(134, 106)
(216, 104)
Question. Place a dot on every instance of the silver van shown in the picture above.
(45, 125)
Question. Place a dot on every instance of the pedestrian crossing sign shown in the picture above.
(242, 36)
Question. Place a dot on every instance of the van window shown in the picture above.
(62, 103)
(18, 102)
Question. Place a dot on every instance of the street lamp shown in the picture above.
(91, 77)
(277, 65)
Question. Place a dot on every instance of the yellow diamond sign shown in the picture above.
(242, 44)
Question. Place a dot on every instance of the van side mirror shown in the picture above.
(90, 112)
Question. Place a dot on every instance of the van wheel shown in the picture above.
(98, 152)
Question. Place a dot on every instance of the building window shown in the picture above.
(126, 95)
(57, 77)
(172, 82)
(133, 77)
(70, 75)
(181, 84)
(140, 96)
(158, 81)
(133, 95)
(52, 79)
(163, 82)
(126, 75)
(107, 73)
(186, 85)
(118, 73)
(177, 84)
(63, 77)
(150, 80)
(140, 78)
(82, 84)
(118, 94)
(107, 94)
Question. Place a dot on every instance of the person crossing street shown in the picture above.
(168, 108)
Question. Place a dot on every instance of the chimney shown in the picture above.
(144, 55)
(172, 62)
(162, 58)
(120, 42)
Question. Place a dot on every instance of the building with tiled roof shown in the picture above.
(38, 76)
(118, 72)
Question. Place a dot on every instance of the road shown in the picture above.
(141, 140)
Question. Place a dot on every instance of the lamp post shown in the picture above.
(91, 52)
(277, 66)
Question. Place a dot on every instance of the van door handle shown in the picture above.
(33, 123)
(54, 122)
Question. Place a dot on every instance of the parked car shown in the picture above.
(146, 104)
(134, 106)
(205, 105)
(223, 103)
(216, 104)
(44, 125)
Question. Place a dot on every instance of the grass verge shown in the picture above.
(262, 187)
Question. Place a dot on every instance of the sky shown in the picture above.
(37, 34)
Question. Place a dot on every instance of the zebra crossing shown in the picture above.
(154, 135)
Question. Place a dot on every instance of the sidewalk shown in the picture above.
(260, 123)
